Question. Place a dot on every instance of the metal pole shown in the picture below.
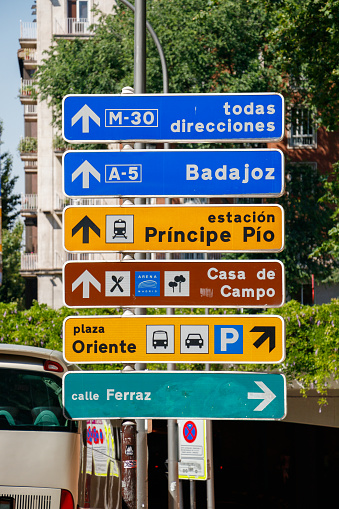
(193, 499)
(140, 88)
(172, 452)
(129, 461)
(210, 479)
(159, 48)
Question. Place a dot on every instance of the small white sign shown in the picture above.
(117, 283)
(177, 283)
(192, 449)
(119, 229)
(193, 339)
(160, 338)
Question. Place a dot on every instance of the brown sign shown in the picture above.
(174, 283)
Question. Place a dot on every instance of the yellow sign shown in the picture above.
(197, 228)
(203, 338)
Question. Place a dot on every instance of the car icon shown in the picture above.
(160, 338)
(194, 339)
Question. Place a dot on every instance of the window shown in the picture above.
(302, 128)
(31, 400)
(82, 10)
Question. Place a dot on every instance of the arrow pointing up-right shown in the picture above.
(268, 333)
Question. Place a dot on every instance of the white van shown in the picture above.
(45, 462)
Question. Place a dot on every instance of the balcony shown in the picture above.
(28, 91)
(28, 57)
(28, 33)
(28, 148)
(61, 202)
(30, 110)
(29, 262)
(29, 205)
(73, 27)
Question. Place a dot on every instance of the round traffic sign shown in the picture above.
(190, 431)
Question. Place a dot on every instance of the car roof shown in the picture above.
(33, 356)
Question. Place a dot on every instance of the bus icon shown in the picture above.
(160, 338)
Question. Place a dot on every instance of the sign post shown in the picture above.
(173, 117)
(174, 395)
(171, 173)
(192, 449)
(217, 339)
(175, 228)
(174, 283)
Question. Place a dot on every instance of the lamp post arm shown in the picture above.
(159, 47)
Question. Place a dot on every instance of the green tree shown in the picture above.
(308, 219)
(209, 46)
(12, 288)
(305, 42)
(330, 246)
(307, 222)
(9, 200)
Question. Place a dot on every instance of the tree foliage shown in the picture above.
(12, 287)
(308, 218)
(9, 200)
(312, 338)
(209, 46)
(305, 42)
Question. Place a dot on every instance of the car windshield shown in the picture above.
(31, 400)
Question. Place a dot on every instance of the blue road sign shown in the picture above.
(172, 395)
(174, 173)
(173, 117)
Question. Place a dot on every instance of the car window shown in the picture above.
(31, 400)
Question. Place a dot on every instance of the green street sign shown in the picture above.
(174, 395)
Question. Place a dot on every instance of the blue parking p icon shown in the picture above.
(228, 340)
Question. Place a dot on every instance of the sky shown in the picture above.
(11, 110)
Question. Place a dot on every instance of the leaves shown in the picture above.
(12, 287)
(305, 41)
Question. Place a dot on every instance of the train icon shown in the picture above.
(119, 229)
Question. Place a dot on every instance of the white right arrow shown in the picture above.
(85, 279)
(86, 169)
(267, 396)
(85, 113)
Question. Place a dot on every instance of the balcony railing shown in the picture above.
(30, 109)
(29, 55)
(29, 261)
(61, 202)
(73, 26)
(27, 30)
(28, 88)
(29, 202)
(28, 145)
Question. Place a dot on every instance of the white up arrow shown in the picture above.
(86, 169)
(85, 113)
(85, 279)
(267, 396)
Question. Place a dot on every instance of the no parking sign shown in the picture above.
(192, 449)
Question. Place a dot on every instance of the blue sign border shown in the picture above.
(253, 117)
(171, 173)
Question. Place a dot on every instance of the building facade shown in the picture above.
(43, 201)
